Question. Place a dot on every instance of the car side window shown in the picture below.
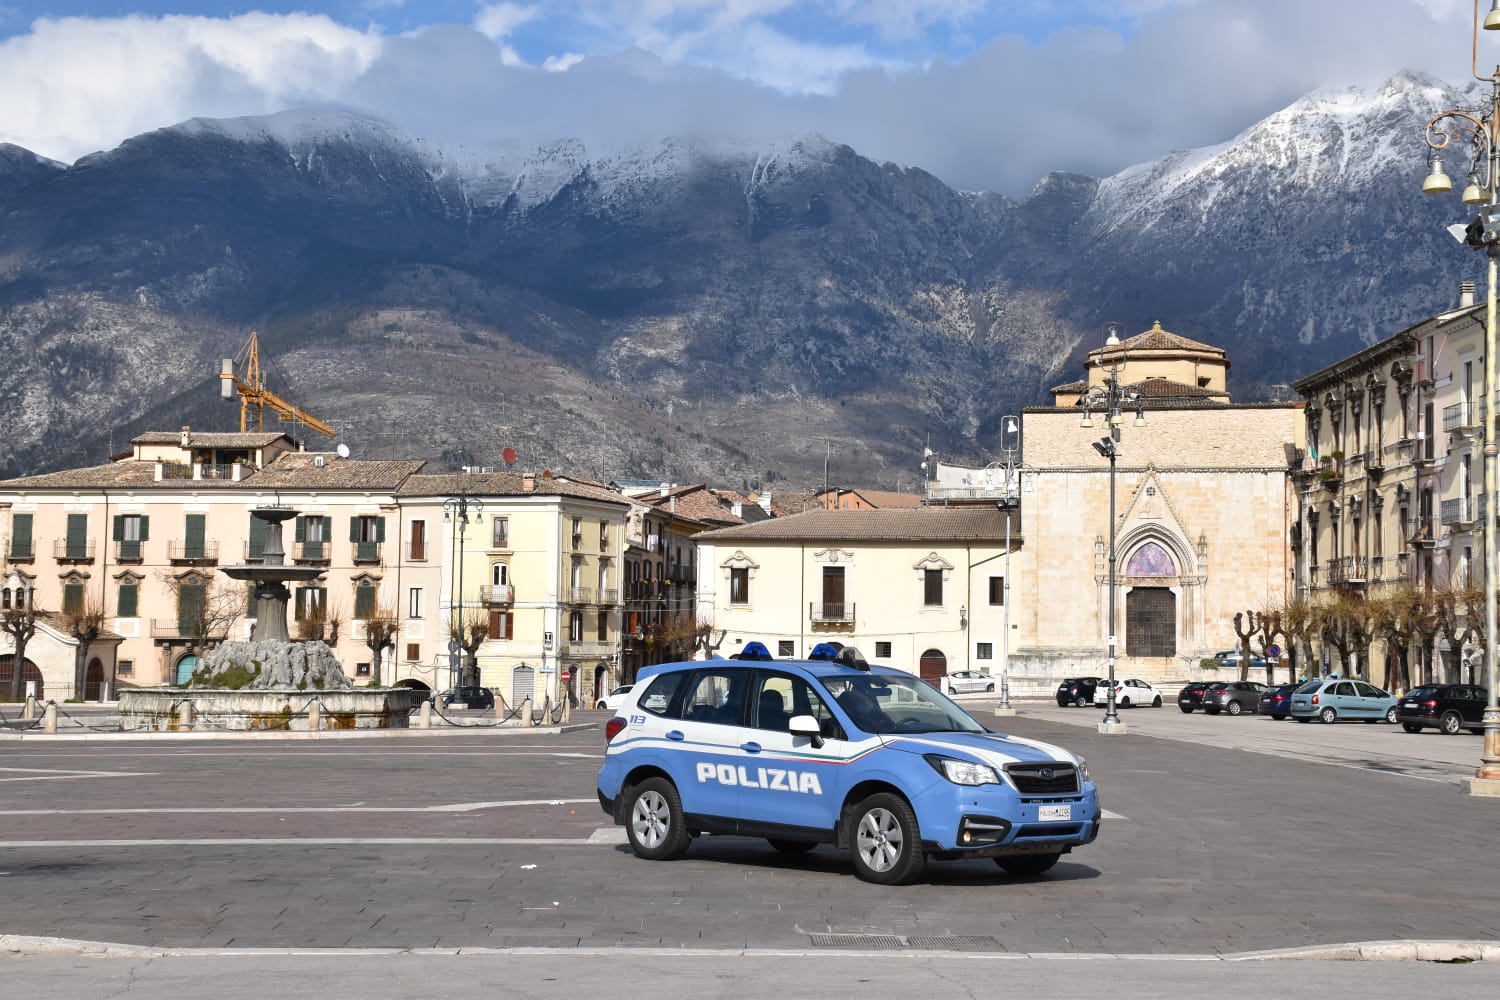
(658, 696)
(1366, 690)
(779, 697)
(717, 696)
(1343, 689)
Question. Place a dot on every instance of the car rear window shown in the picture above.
(657, 698)
(1310, 686)
(1424, 692)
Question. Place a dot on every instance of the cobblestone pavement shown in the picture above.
(484, 839)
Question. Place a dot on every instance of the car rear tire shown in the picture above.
(1028, 864)
(1234, 708)
(600, 707)
(1411, 727)
(1327, 716)
(1390, 715)
(1186, 709)
(792, 846)
(1450, 723)
(1124, 703)
(989, 688)
(885, 843)
(1156, 702)
(1081, 702)
(654, 821)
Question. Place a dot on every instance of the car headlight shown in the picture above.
(1083, 770)
(962, 772)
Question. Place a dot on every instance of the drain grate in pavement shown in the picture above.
(890, 942)
(863, 942)
(955, 943)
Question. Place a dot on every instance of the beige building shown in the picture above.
(921, 590)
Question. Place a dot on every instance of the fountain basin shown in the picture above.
(272, 709)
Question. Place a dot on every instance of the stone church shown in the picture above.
(1203, 500)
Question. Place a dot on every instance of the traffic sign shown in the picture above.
(564, 676)
(1273, 652)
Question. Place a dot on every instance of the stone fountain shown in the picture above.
(269, 682)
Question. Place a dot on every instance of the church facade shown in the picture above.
(1203, 501)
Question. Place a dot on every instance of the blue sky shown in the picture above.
(987, 94)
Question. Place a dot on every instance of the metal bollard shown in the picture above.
(49, 718)
(315, 715)
(424, 717)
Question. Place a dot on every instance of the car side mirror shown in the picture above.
(806, 725)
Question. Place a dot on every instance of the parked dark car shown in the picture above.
(1277, 701)
(468, 697)
(1445, 707)
(1232, 697)
(1077, 691)
(1191, 696)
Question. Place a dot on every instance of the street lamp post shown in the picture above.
(1010, 499)
(1480, 129)
(1110, 398)
(458, 510)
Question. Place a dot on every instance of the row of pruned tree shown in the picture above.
(1409, 624)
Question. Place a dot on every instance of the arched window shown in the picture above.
(500, 574)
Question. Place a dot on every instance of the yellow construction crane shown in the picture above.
(253, 392)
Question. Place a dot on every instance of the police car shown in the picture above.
(808, 752)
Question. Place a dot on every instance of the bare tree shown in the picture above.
(380, 635)
(470, 627)
(18, 620)
(1398, 613)
(323, 621)
(1246, 624)
(84, 623)
(207, 608)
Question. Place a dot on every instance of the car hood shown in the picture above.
(995, 749)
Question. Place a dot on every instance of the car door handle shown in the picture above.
(750, 747)
(675, 734)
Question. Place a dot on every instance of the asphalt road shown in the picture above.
(1223, 836)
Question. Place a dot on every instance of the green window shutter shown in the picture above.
(189, 608)
(364, 602)
(20, 540)
(72, 598)
(257, 537)
(78, 536)
(301, 528)
(380, 529)
(192, 543)
(145, 527)
(327, 527)
(119, 528)
(353, 529)
(125, 606)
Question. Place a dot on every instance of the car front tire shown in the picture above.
(1186, 709)
(1028, 864)
(989, 687)
(884, 841)
(654, 821)
(1156, 702)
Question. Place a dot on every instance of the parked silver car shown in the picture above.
(966, 681)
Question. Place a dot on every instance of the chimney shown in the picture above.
(1465, 294)
(187, 434)
(528, 482)
(765, 501)
(665, 489)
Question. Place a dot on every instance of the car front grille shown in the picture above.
(1048, 778)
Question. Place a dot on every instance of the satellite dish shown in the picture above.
(343, 451)
(509, 454)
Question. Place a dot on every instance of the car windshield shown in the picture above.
(887, 704)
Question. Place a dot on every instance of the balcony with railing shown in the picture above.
(1375, 458)
(609, 595)
(312, 550)
(1421, 532)
(366, 552)
(1463, 419)
(499, 593)
(1347, 571)
(131, 550)
(255, 553)
(21, 550)
(199, 551)
(73, 550)
(831, 612)
(1460, 512)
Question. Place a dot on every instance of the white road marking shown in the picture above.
(303, 842)
(53, 774)
(451, 807)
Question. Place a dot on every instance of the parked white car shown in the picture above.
(966, 681)
(614, 699)
(1128, 693)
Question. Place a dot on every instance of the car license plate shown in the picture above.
(1048, 814)
(1408, 704)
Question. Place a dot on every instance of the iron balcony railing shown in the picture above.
(196, 551)
(73, 550)
(1460, 511)
(499, 593)
(1347, 570)
(830, 611)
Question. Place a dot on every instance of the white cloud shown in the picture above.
(1191, 72)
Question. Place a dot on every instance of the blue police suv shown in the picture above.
(808, 752)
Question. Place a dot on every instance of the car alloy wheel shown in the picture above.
(1234, 708)
(1450, 723)
(1328, 715)
(1081, 702)
(884, 841)
(654, 821)
(1390, 715)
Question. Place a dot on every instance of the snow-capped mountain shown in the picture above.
(683, 308)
